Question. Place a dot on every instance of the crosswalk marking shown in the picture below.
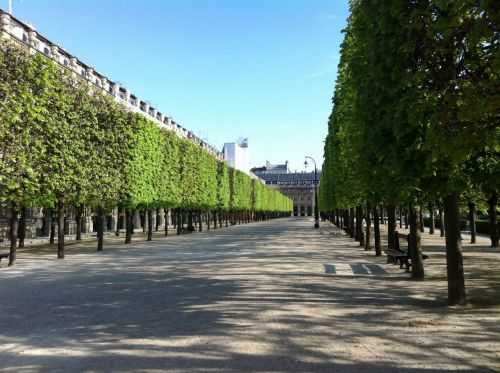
(350, 269)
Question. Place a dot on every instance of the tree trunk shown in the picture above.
(376, 230)
(368, 228)
(454, 259)
(359, 226)
(190, 221)
(492, 213)
(149, 215)
(60, 228)
(158, 220)
(100, 228)
(165, 218)
(22, 227)
(400, 210)
(442, 227)
(14, 227)
(78, 218)
(47, 217)
(200, 221)
(129, 225)
(52, 227)
(414, 246)
(391, 226)
(178, 219)
(472, 221)
(407, 221)
(144, 221)
(432, 225)
(351, 222)
(421, 219)
(118, 219)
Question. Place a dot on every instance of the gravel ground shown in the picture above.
(265, 297)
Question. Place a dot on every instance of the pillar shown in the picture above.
(169, 218)
(88, 224)
(114, 219)
(137, 219)
(153, 221)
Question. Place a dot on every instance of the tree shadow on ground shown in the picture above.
(258, 306)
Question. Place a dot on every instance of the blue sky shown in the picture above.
(262, 69)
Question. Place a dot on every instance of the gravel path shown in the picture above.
(265, 297)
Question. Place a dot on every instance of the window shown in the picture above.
(46, 51)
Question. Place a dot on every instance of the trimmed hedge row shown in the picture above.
(64, 143)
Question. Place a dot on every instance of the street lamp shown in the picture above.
(316, 212)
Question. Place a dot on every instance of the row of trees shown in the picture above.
(64, 143)
(415, 119)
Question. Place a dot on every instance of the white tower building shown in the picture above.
(236, 155)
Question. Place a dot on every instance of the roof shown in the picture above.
(277, 167)
(272, 168)
(284, 178)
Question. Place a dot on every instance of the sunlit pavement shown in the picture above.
(265, 297)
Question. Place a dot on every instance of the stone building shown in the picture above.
(25, 35)
(298, 186)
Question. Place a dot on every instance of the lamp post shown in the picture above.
(316, 212)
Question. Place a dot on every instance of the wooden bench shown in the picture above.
(4, 256)
(399, 256)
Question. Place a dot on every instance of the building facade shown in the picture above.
(298, 186)
(19, 32)
(39, 221)
(236, 155)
